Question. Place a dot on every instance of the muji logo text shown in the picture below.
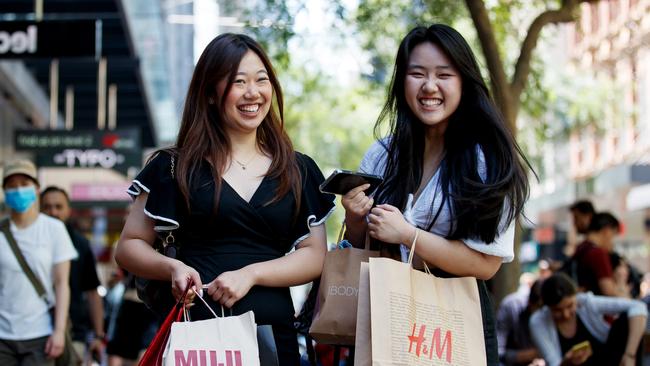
(202, 357)
(420, 345)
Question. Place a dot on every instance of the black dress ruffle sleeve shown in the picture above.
(157, 181)
(315, 206)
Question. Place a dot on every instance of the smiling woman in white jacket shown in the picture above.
(569, 318)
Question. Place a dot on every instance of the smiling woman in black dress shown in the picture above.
(236, 194)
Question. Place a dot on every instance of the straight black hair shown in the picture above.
(50, 189)
(602, 220)
(556, 288)
(476, 204)
(583, 206)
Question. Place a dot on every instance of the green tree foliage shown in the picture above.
(329, 123)
(334, 125)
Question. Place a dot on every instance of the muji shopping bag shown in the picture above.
(220, 341)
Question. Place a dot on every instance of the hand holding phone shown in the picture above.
(579, 353)
(342, 181)
(580, 346)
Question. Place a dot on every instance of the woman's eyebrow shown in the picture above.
(420, 67)
(415, 66)
(258, 72)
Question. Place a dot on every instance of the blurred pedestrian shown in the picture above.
(516, 347)
(569, 318)
(29, 334)
(235, 194)
(581, 213)
(86, 306)
(593, 264)
(135, 327)
(454, 178)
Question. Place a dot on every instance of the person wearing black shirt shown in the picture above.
(86, 307)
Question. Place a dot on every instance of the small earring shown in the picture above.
(210, 101)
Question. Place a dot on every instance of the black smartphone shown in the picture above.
(342, 181)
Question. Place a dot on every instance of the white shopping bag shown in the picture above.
(225, 341)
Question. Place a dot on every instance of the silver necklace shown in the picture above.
(243, 165)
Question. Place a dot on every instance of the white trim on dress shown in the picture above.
(310, 224)
(174, 224)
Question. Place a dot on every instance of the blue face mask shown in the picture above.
(20, 199)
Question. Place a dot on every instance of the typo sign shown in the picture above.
(119, 160)
(56, 140)
(48, 39)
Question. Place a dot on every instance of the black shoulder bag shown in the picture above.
(69, 357)
(156, 294)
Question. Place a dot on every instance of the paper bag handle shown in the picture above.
(342, 231)
(223, 312)
(412, 253)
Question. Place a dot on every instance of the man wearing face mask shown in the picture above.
(29, 335)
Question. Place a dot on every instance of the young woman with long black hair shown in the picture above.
(236, 194)
(451, 168)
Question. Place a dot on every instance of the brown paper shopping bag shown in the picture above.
(419, 319)
(336, 309)
(362, 344)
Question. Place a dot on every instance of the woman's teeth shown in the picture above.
(431, 102)
(249, 108)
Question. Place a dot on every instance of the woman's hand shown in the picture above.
(55, 343)
(627, 361)
(386, 223)
(356, 203)
(182, 276)
(577, 357)
(231, 286)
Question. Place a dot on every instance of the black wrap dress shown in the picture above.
(238, 234)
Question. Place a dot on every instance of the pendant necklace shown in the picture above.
(243, 165)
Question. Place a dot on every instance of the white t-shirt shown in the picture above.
(420, 212)
(23, 315)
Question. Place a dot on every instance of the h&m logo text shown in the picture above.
(419, 346)
(201, 357)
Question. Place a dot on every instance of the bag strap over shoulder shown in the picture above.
(169, 241)
(38, 286)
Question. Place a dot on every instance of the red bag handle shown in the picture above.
(154, 353)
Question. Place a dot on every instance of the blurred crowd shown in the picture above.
(565, 313)
(595, 297)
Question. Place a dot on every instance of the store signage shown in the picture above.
(56, 140)
(119, 160)
(99, 192)
(48, 39)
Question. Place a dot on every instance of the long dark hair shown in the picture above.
(202, 136)
(476, 204)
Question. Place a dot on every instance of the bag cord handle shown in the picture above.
(342, 231)
(412, 252)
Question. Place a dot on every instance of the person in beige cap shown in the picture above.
(28, 335)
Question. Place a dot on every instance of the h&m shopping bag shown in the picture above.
(420, 319)
(225, 341)
(336, 308)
